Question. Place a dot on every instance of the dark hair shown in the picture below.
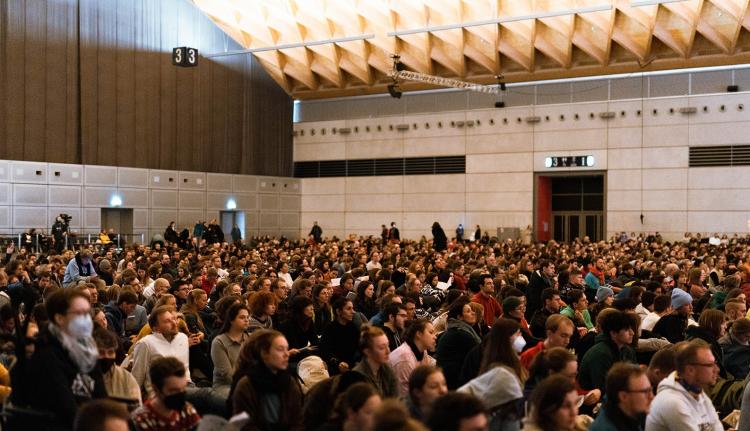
(550, 361)
(366, 334)
(548, 396)
(661, 303)
(664, 360)
(105, 339)
(623, 304)
(163, 368)
(457, 308)
(414, 327)
(392, 310)
(250, 354)
(232, 312)
(574, 296)
(647, 298)
(59, 301)
(549, 293)
(618, 380)
(127, 297)
(93, 415)
(340, 302)
(618, 320)
(449, 410)
(418, 378)
(353, 398)
(712, 320)
(298, 305)
(499, 349)
(153, 318)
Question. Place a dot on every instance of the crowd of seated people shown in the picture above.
(370, 333)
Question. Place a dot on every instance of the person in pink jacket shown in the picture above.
(419, 338)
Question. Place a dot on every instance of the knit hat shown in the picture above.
(603, 293)
(680, 298)
(510, 303)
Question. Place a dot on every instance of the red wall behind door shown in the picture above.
(543, 223)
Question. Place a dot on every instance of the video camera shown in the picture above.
(66, 218)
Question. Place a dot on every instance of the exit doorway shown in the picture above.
(569, 207)
(120, 220)
(228, 220)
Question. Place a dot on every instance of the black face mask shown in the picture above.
(106, 364)
(175, 401)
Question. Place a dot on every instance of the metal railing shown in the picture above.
(39, 242)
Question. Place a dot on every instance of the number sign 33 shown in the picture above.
(185, 57)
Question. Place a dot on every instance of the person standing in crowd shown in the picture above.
(236, 234)
(170, 234)
(167, 410)
(460, 233)
(263, 387)
(629, 395)
(541, 279)
(383, 234)
(62, 373)
(680, 402)
(316, 233)
(439, 240)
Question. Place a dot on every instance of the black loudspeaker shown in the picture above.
(500, 104)
(733, 88)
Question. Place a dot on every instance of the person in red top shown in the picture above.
(459, 281)
(209, 280)
(486, 297)
(167, 410)
(559, 329)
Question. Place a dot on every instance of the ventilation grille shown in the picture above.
(725, 155)
(373, 167)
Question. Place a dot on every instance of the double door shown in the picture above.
(567, 226)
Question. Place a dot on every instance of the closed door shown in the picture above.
(567, 227)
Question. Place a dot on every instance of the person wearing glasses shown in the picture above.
(629, 396)
(680, 402)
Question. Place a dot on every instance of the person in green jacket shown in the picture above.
(612, 346)
(577, 311)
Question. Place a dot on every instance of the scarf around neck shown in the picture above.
(82, 350)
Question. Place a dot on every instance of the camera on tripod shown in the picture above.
(66, 218)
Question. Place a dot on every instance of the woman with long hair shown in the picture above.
(354, 409)
(365, 303)
(225, 348)
(262, 386)
(374, 366)
(199, 353)
(299, 329)
(321, 296)
(712, 325)
(553, 406)
(338, 344)
(457, 340)
(426, 384)
(419, 340)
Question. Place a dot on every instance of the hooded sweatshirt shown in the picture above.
(674, 408)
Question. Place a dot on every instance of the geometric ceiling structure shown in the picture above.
(332, 48)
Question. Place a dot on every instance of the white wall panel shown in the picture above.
(192, 180)
(718, 178)
(132, 177)
(434, 146)
(385, 184)
(434, 202)
(624, 200)
(374, 203)
(164, 199)
(520, 162)
(626, 179)
(323, 203)
(290, 203)
(517, 181)
(28, 194)
(665, 200)
(326, 151)
(624, 158)
(289, 221)
(708, 221)
(28, 217)
(219, 182)
(455, 183)
(65, 174)
(99, 196)
(161, 218)
(499, 201)
(92, 218)
(140, 218)
(5, 193)
(192, 200)
(100, 175)
(665, 136)
(382, 148)
(186, 219)
(624, 137)
(28, 172)
(268, 202)
(500, 143)
(217, 200)
(290, 186)
(269, 221)
(244, 183)
(158, 179)
(246, 201)
(570, 140)
(4, 171)
(323, 186)
(4, 216)
(134, 198)
(65, 196)
(665, 157)
(665, 179)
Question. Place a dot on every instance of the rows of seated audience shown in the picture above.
(634, 333)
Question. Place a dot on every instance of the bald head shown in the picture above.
(161, 286)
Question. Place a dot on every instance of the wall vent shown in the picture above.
(373, 167)
(725, 155)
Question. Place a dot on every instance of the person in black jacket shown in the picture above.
(299, 329)
(62, 373)
(338, 344)
(541, 279)
(170, 234)
(440, 241)
(551, 301)
(673, 325)
(458, 339)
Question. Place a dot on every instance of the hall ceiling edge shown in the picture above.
(332, 48)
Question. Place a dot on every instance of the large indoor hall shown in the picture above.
(374, 215)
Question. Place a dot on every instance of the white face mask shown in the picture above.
(519, 343)
(81, 326)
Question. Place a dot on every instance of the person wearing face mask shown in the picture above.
(80, 268)
(501, 376)
(120, 384)
(62, 373)
(167, 410)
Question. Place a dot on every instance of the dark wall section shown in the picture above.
(91, 81)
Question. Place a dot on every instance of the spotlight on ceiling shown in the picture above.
(393, 91)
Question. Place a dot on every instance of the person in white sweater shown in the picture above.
(165, 341)
(680, 403)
